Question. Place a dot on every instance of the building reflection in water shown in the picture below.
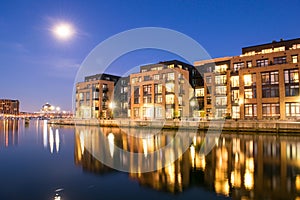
(241, 166)
(51, 135)
(9, 133)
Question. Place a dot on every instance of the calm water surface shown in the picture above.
(38, 161)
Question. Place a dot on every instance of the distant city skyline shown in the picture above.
(38, 67)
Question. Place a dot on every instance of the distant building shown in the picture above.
(94, 96)
(9, 107)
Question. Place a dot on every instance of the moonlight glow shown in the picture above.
(63, 31)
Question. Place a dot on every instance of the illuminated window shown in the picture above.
(170, 87)
(267, 51)
(170, 99)
(294, 58)
(270, 78)
(158, 88)
(291, 76)
(296, 46)
(136, 112)
(276, 49)
(262, 63)
(235, 96)
(147, 89)
(147, 99)
(221, 101)
(250, 93)
(249, 79)
(221, 68)
(171, 66)
(250, 110)
(220, 90)
(237, 66)
(220, 79)
(170, 76)
(134, 80)
(292, 109)
(156, 77)
(180, 100)
(158, 98)
(235, 81)
(249, 64)
(199, 92)
(271, 110)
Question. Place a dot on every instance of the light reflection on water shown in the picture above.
(240, 166)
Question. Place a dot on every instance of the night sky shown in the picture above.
(37, 67)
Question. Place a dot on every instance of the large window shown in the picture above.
(271, 110)
(291, 90)
(158, 88)
(291, 79)
(170, 87)
(171, 76)
(249, 79)
(221, 79)
(268, 78)
(199, 92)
(221, 68)
(291, 76)
(270, 86)
(221, 101)
(250, 110)
(237, 66)
(158, 98)
(250, 93)
(270, 91)
(220, 90)
(147, 89)
(170, 99)
(208, 100)
(280, 60)
(294, 58)
(147, 99)
(235, 96)
(234, 81)
(292, 109)
(262, 62)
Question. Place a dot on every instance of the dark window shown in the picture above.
(262, 62)
(292, 90)
(280, 60)
(147, 89)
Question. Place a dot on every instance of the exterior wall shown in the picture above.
(281, 99)
(9, 107)
(159, 109)
(93, 99)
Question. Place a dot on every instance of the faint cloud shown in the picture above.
(15, 47)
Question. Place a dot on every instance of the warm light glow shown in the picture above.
(297, 183)
(111, 144)
(63, 31)
(112, 105)
(248, 180)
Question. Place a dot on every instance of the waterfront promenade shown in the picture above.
(226, 125)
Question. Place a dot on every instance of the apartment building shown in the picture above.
(215, 86)
(9, 107)
(262, 83)
(94, 96)
(160, 91)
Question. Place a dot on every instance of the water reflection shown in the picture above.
(9, 133)
(241, 166)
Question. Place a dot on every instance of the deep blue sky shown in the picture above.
(37, 68)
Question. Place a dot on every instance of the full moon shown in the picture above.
(63, 31)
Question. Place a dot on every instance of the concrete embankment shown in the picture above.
(227, 125)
